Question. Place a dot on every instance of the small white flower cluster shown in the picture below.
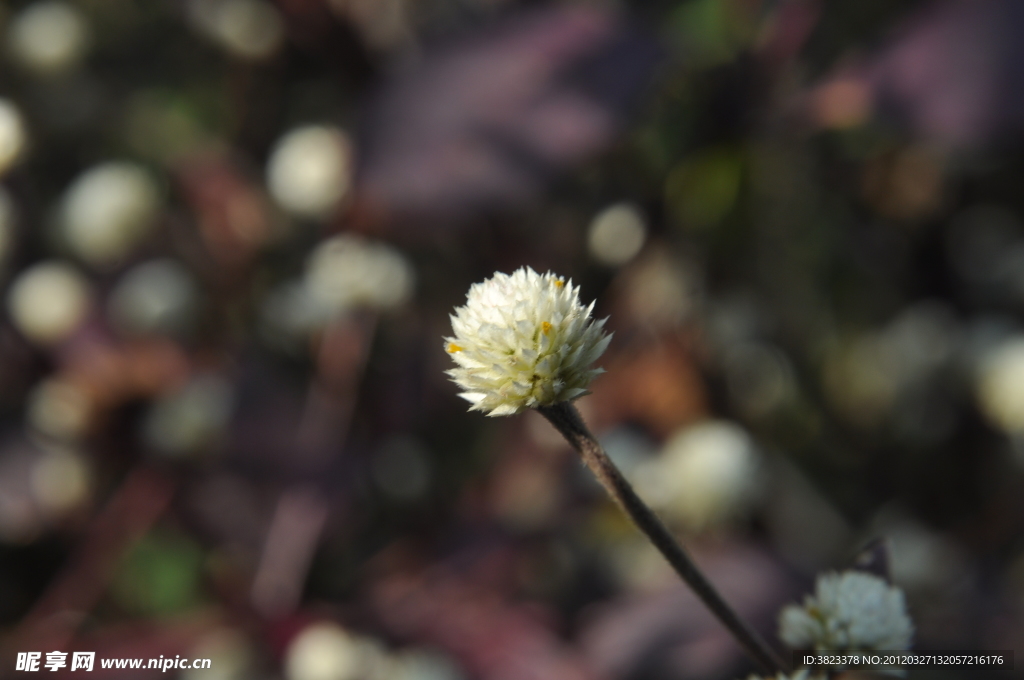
(851, 611)
(524, 341)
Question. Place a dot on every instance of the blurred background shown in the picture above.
(231, 232)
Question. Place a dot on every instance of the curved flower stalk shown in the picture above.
(526, 341)
(851, 611)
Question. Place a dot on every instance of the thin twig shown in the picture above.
(135, 507)
(302, 509)
(567, 420)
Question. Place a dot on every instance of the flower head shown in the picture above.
(522, 341)
(849, 611)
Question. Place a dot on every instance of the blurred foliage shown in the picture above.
(160, 576)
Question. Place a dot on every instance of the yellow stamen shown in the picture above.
(545, 326)
(559, 283)
(453, 348)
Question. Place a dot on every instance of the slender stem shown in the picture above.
(567, 420)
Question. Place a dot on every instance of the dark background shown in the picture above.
(802, 218)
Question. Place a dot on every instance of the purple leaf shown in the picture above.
(485, 121)
(952, 72)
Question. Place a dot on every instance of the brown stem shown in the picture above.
(567, 420)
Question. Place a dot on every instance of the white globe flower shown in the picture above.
(524, 341)
(851, 611)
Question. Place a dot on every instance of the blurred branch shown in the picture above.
(291, 541)
(136, 505)
(302, 510)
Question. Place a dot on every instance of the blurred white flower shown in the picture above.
(322, 651)
(158, 296)
(660, 289)
(616, 234)
(325, 651)
(48, 37)
(60, 481)
(706, 474)
(1000, 386)
(343, 273)
(347, 271)
(310, 170)
(920, 558)
(13, 137)
(382, 24)
(60, 409)
(869, 375)
(249, 29)
(39, 484)
(191, 418)
(423, 664)
(288, 315)
(851, 611)
(523, 341)
(48, 300)
(107, 210)
(230, 652)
